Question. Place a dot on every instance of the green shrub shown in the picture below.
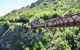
(27, 27)
(7, 25)
(45, 4)
(22, 19)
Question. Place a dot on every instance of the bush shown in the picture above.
(22, 19)
(45, 17)
(27, 27)
(45, 4)
(55, 15)
(7, 25)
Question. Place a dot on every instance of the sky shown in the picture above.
(7, 6)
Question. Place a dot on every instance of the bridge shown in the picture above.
(66, 21)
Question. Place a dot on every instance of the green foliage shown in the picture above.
(22, 19)
(7, 25)
(53, 39)
(27, 48)
(27, 27)
(45, 4)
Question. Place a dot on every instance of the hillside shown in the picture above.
(16, 32)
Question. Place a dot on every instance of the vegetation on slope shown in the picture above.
(23, 37)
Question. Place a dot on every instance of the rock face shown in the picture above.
(17, 37)
(39, 2)
(36, 3)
